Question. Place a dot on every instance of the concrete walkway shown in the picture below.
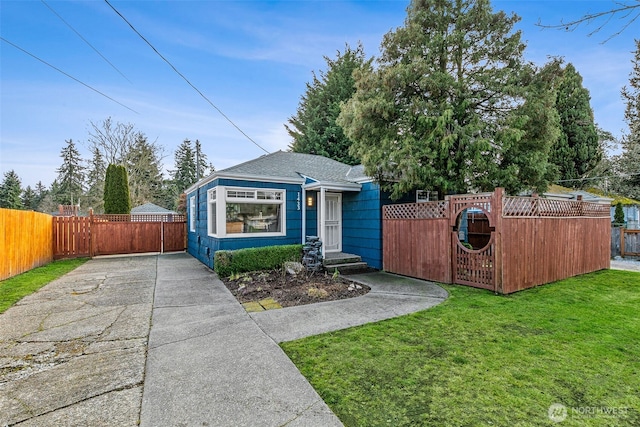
(625, 264)
(390, 296)
(74, 352)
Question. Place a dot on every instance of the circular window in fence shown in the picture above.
(473, 229)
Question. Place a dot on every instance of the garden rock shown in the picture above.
(293, 268)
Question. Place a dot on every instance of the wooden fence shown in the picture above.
(625, 242)
(25, 241)
(517, 242)
(118, 234)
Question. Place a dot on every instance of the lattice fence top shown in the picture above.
(540, 207)
(426, 210)
(480, 201)
(140, 218)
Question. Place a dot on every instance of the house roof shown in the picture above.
(150, 208)
(558, 191)
(617, 198)
(286, 166)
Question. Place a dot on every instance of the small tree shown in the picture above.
(116, 191)
(10, 191)
(618, 216)
(71, 175)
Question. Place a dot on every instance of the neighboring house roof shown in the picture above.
(617, 199)
(150, 208)
(285, 166)
(559, 192)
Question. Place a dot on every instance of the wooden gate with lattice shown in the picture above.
(474, 265)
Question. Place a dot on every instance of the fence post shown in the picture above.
(497, 211)
(622, 241)
(161, 235)
(90, 230)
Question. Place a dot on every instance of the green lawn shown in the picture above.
(17, 287)
(481, 360)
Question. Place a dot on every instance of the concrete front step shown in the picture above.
(331, 259)
(348, 268)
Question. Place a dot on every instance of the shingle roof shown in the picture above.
(284, 164)
(150, 208)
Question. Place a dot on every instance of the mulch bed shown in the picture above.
(288, 290)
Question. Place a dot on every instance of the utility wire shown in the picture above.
(66, 74)
(184, 78)
(85, 40)
(621, 175)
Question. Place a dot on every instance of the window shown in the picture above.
(426, 196)
(192, 213)
(244, 212)
(250, 211)
(212, 226)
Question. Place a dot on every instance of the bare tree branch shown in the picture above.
(625, 12)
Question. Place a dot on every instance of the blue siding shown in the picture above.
(312, 215)
(362, 224)
(202, 247)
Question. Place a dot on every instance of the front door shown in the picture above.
(333, 222)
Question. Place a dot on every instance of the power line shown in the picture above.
(66, 74)
(184, 78)
(622, 175)
(85, 40)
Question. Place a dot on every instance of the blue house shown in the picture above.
(282, 197)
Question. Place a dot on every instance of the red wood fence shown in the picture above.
(117, 234)
(510, 243)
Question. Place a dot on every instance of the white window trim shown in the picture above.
(221, 207)
(192, 214)
(209, 202)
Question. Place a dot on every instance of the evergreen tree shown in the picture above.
(184, 174)
(527, 137)
(71, 175)
(41, 192)
(577, 151)
(144, 168)
(618, 215)
(116, 190)
(204, 168)
(29, 199)
(50, 201)
(10, 191)
(629, 161)
(96, 170)
(447, 87)
(314, 129)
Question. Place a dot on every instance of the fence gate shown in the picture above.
(473, 224)
(117, 234)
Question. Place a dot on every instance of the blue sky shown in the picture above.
(252, 59)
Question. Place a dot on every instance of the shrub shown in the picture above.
(116, 190)
(618, 215)
(226, 263)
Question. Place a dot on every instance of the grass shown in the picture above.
(15, 288)
(480, 359)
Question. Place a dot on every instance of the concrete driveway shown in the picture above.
(74, 352)
(82, 350)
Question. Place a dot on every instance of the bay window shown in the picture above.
(245, 212)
